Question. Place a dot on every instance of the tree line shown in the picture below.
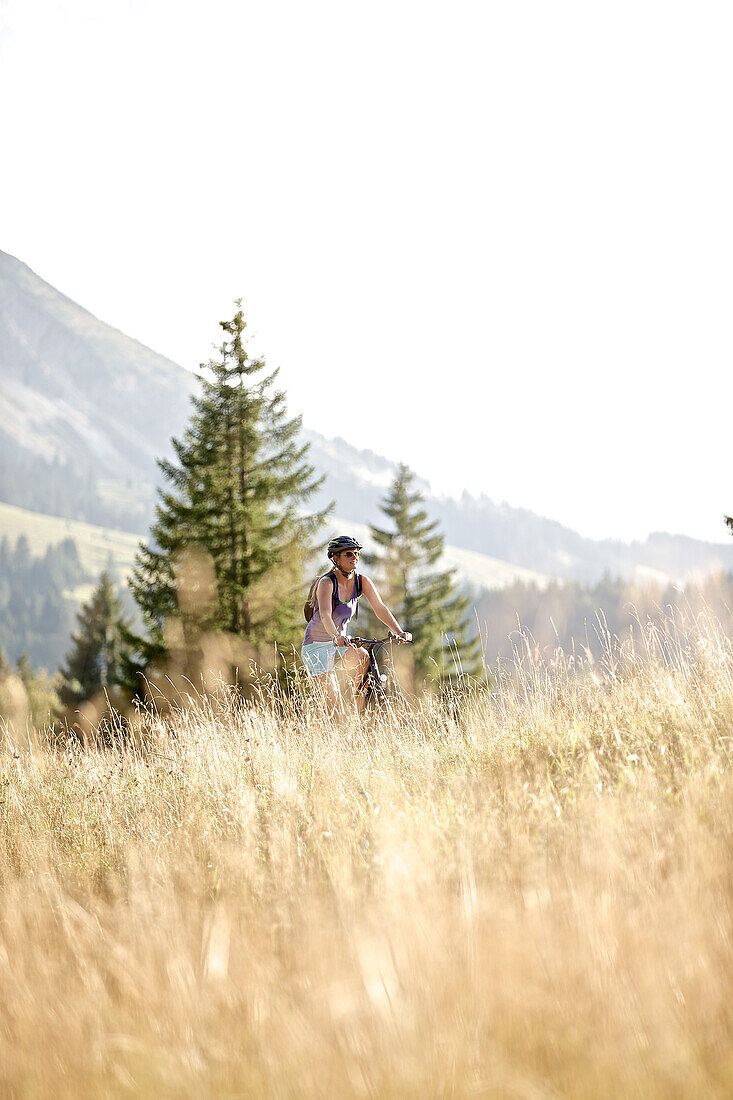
(36, 613)
(582, 617)
(219, 582)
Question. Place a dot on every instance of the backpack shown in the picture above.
(310, 604)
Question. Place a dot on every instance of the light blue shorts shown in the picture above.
(320, 657)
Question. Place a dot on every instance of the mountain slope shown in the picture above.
(79, 398)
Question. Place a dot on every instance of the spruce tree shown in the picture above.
(230, 540)
(427, 601)
(94, 662)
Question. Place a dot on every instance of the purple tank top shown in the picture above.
(341, 613)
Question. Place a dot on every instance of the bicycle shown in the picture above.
(378, 687)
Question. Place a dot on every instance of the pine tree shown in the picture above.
(229, 542)
(425, 600)
(94, 663)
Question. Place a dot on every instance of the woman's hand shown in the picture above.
(342, 640)
(403, 635)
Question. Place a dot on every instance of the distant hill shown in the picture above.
(85, 410)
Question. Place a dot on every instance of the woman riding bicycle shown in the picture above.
(326, 638)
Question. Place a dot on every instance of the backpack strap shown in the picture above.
(313, 594)
(335, 583)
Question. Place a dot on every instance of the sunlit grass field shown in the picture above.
(523, 893)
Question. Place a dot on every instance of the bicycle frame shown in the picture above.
(374, 680)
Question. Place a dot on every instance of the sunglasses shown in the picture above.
(351, 553)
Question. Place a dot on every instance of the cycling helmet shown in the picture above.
(342, 542)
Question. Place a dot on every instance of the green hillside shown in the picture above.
(97, 546)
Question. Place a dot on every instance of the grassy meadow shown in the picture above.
(522, 893)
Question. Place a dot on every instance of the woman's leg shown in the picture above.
(327, 690)
(356, 662)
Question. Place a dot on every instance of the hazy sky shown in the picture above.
(492, 239)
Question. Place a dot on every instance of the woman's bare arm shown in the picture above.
(381, 610)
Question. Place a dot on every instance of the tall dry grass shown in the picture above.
(527, 895)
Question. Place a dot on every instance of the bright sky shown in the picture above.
(492, 239)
